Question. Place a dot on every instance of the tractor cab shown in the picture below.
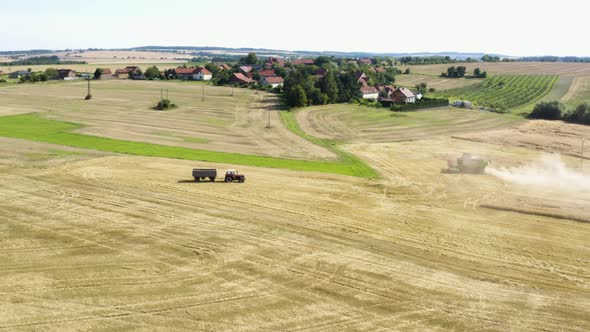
(232, 175)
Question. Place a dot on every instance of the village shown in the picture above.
(269, 74)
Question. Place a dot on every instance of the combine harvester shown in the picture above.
(466, 164)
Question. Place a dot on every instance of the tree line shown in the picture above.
(41, 60)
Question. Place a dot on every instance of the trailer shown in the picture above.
(202, 174)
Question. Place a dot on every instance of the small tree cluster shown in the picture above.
(164, 104)
(455, 72)
(547, 110)
(480, 74)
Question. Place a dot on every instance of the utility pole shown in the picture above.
(167, 95)
(268, 125)
(582, 154)
(232, 90)
(88, 95)
(203, 99)
(161, 94)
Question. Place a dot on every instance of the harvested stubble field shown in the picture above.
(362, 124)
(122, 110)
(93, 240)
(579, 92)
(434, 81)
(510, 68)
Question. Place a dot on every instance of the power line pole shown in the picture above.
(203, 99)
(167, 97)
(88, 95)
(161, 94)
(582, 154)
(268, 125)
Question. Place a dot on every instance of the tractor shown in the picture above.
(232, 175)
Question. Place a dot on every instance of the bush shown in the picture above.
(164, 104)
(580, 115)
(422, 104)
(547, 110)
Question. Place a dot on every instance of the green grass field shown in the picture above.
(504, 92)
(32, 127)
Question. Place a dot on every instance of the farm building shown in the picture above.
(463, 104)
(369, 92)
(403, 96)
(66, 74)
(239, 78)
(273, 81)
(106, 73)
(19, 74)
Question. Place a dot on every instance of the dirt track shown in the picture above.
(121, 242)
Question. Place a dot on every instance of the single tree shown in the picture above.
(97, 73)
(251, 59)
(297, 97)
(152, 73)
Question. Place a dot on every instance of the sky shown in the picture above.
(509, 27)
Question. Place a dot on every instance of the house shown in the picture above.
(131, 72)
(203, 74)
(364, 61)
(106, 74)
(361, 77)
(380, 70)
(248, 71)
(271, 61)
(307, 62)
(418, 95)
(224, 66)
(403, 96)
(66, 74)
(369, 92)
(273, 81)
(320, 72)
(134, 72)
(240, 78)
(186, 74)
(19, 74)
(1, 73)
(122, 74)
(267, 73)
(193, 74)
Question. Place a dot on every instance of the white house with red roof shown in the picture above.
(193, 74)
(369, 92)
(403, 96)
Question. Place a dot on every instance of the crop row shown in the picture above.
(503, 91)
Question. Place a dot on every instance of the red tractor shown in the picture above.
(232, 175)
